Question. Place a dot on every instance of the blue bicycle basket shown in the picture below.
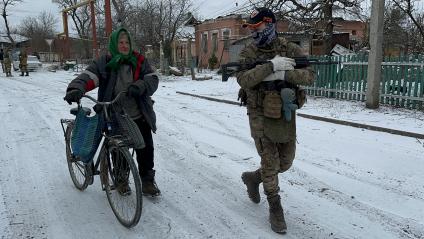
(86, 136)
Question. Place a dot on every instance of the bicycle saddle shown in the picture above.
(87, 111)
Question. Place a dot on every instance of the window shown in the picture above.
(226, 38)
(354, 32)
(205, 42)
(214, 42)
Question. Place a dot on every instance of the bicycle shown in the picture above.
(114, 164)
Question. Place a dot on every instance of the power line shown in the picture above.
(237, 9)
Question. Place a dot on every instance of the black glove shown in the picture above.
(98, 108)
(242, 96)
(73, 95)
(133, 91)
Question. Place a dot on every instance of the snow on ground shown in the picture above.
(345, 182)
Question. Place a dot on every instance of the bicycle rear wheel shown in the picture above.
(122, 183)
(77, 169)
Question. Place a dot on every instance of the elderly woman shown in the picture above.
(125, 69)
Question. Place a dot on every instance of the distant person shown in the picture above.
(272, 94)
(8, 62)
(2, 59)
(23, 62)
(124, 69)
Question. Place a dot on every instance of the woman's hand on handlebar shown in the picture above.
(73, 95)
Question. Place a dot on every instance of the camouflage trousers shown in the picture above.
(24, 68)
(275, 158)
(8, 68)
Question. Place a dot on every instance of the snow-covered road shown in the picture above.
(345, 183)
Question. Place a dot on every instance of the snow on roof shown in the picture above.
(18, 38)
(185, 31)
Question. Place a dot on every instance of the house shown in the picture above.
(185, 37)
(310, 43)
(224, 37)
(356, 29)
(214, 37)
(20, 41)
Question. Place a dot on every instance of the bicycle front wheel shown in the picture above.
(121, 182)
(77, 169)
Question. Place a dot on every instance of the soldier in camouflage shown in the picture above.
(274, 132)
(23, 62)
(8, 62)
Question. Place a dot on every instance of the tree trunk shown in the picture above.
(328, 23)
(4, 15)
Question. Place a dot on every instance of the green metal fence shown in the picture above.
(345, 77)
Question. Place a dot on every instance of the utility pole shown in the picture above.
(108, 18)
(376, 54)
(162, 65)
(190, 60)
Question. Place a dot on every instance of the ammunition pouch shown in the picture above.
(277, 127)
(279, 130)
(272, 105)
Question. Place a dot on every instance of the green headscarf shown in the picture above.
(119, 58)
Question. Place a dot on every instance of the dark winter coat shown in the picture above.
(98, 75)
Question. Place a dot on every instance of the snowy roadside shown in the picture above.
(4, 221)
(353, 111)
(345, 182)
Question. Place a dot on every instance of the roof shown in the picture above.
(18, 38)
(185, 32)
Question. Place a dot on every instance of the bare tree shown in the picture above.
(315, 14)
(408, 7)
(394, 31)
(4, 4)
(161, 19)
(38, 29)
(82, 22)
(80, 16)
(122, 8)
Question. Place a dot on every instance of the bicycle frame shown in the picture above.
(105, 134)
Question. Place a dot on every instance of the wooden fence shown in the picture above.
(345, 77)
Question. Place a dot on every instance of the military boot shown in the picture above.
(276, 215)
(27, 74)
(149, 186)
(252, 181)
(22, 73)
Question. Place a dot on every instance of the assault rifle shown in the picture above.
(232, 67)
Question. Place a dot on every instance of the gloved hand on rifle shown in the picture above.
(280, 63)
(73, 95)
(280, 66)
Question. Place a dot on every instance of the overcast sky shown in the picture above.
(205, 9)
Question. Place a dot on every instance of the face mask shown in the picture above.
(264, 37)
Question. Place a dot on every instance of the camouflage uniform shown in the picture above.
(2, 59)
(8, 62)
(275, 140)
(23, 62)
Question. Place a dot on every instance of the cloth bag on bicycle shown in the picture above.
(86, 135)
(124, 126)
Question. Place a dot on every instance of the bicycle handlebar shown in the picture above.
(104, 103)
